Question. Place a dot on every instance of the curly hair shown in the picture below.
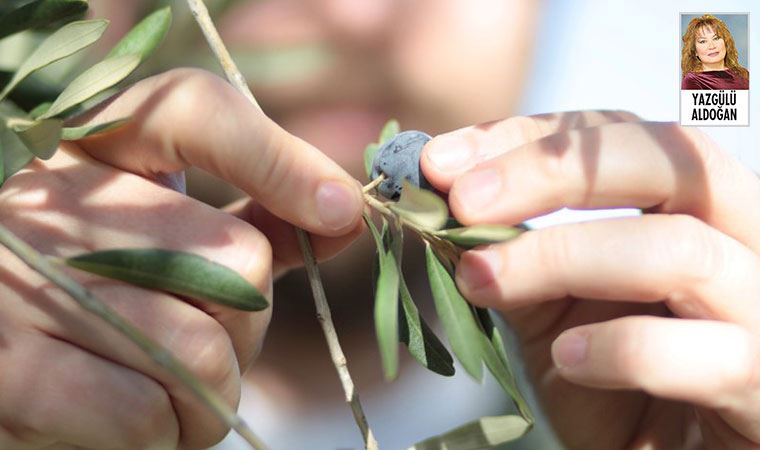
(690, 62)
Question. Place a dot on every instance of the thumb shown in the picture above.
(188, 117)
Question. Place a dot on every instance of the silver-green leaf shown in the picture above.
(496, 360)
(13, 152)
(91, 82)
(144, 37)
(386, 304)
(66, 41)
(74, 133)
(484, 433)
(390, 129)
(421, 207)
(39, 13)
(456, 316)
(40, 137)
(176, 272)
(420, 340)
(468, 237)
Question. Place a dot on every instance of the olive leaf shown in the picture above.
(472, 236)
(484, 433)
(39, 13)
(369, 156)
(390, 129)
(66, 41)
(94, 80)
(39, 110)
(14, 154)
(74, 133)
(496, 360)
(144, 37)
(421, 207)
(455, 314)
(419, 339)
(40, 137)
(176, 272)
(386, 302)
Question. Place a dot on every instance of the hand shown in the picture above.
(638, 332)
(68, 379)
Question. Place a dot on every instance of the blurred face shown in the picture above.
(333, 71)
(711, 48)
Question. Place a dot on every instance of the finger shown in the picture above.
(711, 364)
(189, 118)
(656, 166)
(54, 392)
(286, 253)
(698, 271)
(450, 155)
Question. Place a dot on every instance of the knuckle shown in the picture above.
(696, 253)
(206, 349)
(195, 96)
(633, 348)
(743, 376)
(554, 250)
(152, 421)
(527, 129)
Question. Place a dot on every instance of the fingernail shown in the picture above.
(478, 190)
(479, 268)
(570, 349)
(337, 206)
(450, 153)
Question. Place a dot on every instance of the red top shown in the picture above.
(716, 79)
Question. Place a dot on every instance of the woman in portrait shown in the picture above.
(709, 59)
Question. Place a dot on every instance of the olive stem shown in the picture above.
(236, 78)
(373, 184)
(46, 266)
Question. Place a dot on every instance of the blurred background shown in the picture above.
(332, 72)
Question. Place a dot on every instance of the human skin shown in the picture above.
(67, 379)
(711, 49)
(637, 332)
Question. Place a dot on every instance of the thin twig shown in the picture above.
(373, 184)
(163, 357)
(339, 359)
(200, 12)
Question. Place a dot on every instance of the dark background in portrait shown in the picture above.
(738, 26)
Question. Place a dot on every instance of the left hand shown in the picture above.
(639, 332)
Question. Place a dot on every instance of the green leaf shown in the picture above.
(38, 14)
(483, 433)
(369, 157)
(495, 357)
(176, 272)
(419, 339)
(421, 207)
(66, 41)
(386, 304)
(40, 137)
(468, 237)
(15, 156)
(39, 110)
(390, 130)
(94, 80)
(144, 37)
(74, 133)
(456, 316)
